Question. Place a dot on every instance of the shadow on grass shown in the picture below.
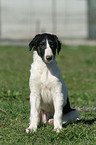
(84, 121)
(90, 121)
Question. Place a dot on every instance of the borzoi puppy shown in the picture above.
(49, 94)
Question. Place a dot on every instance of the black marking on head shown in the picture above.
(34, 42)
(38, 43)
(67, 107)
(58, 44)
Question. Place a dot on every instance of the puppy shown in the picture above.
(48, 91)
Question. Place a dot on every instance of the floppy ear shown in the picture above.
(34, 42)
(58, 44)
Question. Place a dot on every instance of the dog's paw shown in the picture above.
(27, 130)
(77, 119)
(58, 129)
(30, 129)
(51, 121)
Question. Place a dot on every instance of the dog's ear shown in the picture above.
(34, 42)
(58, 44)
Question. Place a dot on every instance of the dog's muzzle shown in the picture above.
(49, 58)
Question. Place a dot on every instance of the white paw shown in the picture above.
(78, 119)
(57, 129)
(51, 121)
(29, 129)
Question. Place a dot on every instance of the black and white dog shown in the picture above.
(49, 94)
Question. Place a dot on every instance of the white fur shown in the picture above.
(48, 91)
(48, 52)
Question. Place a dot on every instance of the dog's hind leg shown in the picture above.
(42, 117)
(45, 117)
(69, 115)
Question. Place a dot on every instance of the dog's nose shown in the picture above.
(48, 57)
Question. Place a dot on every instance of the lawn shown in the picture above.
(78, 69)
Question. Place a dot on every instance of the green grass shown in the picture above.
(78, 69)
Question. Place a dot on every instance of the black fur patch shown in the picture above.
(67, 107)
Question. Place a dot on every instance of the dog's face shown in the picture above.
(46, 46)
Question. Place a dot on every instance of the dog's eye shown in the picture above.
(42, 44)
(51, 44)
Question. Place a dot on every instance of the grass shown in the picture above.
(78, 69)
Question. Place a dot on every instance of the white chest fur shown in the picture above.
(47, 90)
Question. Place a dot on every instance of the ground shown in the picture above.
(78, 69)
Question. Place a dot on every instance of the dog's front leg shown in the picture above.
(34, 113)
(58, 113)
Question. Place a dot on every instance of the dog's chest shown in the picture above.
(47, 89)
(45, 78)
(46, 81)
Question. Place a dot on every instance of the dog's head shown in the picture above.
(46, 46)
